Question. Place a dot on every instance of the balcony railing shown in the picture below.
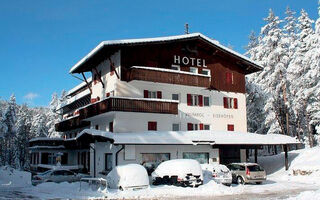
(121, 104)
(169, 76)
(129, 105)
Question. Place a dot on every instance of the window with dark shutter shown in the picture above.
(201, 126)
(111, 126)
(145, 93)
(230, 127)
(152, 126)
(225, 102)
(229, 78)
(189, 99)
(235, 102)
(200, 100)
(190, 126)
(159, 95)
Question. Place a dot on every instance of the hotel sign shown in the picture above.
(198, 62)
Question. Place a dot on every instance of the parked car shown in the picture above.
(180, 172)
(217, 172)
(57, 176)
(247, 173)
(130, 176)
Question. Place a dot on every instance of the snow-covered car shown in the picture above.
(130, 176)
(57, 176)
(217, 172)
(180, 172)
(247, 173)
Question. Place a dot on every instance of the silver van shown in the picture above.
(247, 173)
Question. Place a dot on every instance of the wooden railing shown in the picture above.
(129, 105)
(118, 104)
(168, 77)
(72, 123)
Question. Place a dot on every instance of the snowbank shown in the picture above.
(307, 195)
(10, 177)
(303, 160)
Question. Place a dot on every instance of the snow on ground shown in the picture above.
(278, 181)
(10, 177)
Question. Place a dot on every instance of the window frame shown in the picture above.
(175, 124)
(106, 155)
(194, 68)
(206, 70)
(204, 97)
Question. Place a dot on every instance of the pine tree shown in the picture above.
(10, 132)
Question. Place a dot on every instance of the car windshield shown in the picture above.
(255, 168)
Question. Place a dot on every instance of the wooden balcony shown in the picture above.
(129, 105)
(118, 104)
(169, 76)
(72, 123)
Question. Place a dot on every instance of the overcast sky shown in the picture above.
(41, 40)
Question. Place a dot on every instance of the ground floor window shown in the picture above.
(152, 126)
(108, 162)
(151, 160)
(52, 158)
(202, 158)
(175, 127)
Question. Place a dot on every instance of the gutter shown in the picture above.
(122, 147)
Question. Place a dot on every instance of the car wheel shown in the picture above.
(120, 188)
(258, 183)
(240, 180)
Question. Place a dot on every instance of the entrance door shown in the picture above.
(229, 155)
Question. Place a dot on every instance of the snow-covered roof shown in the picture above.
(82, 84)
(193, 137)
(169, 70)
(45, 139)
(47, 147)
(160, 39)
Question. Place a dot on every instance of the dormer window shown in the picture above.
(205, 71)
(175, 67)
(193, 70)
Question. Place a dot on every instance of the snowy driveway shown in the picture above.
(281, 187)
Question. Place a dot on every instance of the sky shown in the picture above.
(40, 40)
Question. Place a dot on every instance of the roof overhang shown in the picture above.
(106, 48)
(213, 138)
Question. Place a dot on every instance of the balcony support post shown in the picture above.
(99, 76)
(85, 79)
(113, 68)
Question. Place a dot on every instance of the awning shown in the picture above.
(191, 138)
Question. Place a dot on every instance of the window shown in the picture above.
(52, 159)
(111, 127)
(194, 100)
(194, 70)
(152, 126)
(175, 127)
(230, 102)
(206, 127)
(175, 67)
(151, 160)
(175, 97)
(108, 162)
(194, 127)
(152, 94)
(205, 71)
(229, 77)
(230, 127)
(202, 158)
(206, 101)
